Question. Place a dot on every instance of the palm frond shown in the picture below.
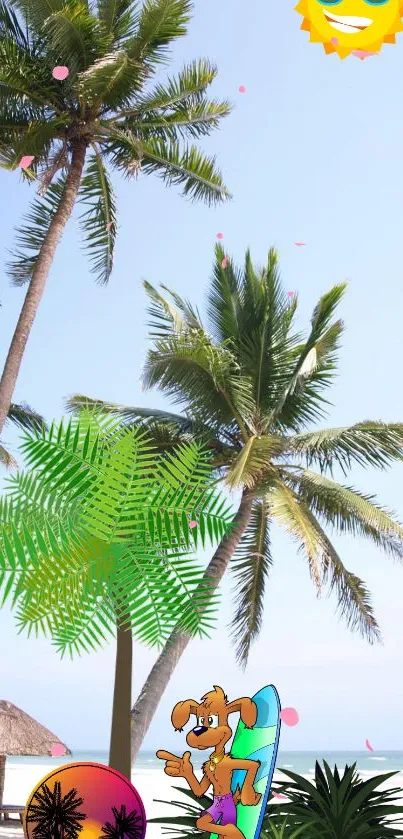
(346, 509)
(288, 513)
(111, 81)
(32, 234)
(25, 417)
(250, 568)
(353, 598)
(75, 35)
(160, 22)
(189, 167)
(35, 15)
(367, 443)
(10, 26)
(254, 460)
(118, 18)
(98, 222)
(188, 88)
(7, 459)
(35, 140)
(170, 318)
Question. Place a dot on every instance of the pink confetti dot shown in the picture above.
(26, 161)
(289, 716)
(60, 73)
(220, 235)
(57, 749)
(334, 41)
(368, 746)
(192, 524)
(224, 262)
(278, 795)
(299, 244)
(242, 88)
(291, 293)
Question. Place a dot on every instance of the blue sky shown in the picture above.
(312, 152)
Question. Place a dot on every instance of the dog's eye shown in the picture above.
(200, 721)
(213, 721)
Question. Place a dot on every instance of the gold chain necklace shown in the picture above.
(214, 761)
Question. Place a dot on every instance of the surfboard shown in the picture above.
(257, 743)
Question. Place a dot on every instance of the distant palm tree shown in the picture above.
(104, 107)
(126, 826)
(23, 417)
(253, 389)
(55, 817)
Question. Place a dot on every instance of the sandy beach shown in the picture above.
(151, 784)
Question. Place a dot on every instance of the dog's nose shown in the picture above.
(200, 729)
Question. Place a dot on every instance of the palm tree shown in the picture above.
(55, 816)
(95, 538)
(126, 825)
(23, 417)
(103, 114)
(253, 388)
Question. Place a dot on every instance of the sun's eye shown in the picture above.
(329, 2)
(213, 721)
(376, 2)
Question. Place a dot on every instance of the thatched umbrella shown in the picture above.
(20, 734)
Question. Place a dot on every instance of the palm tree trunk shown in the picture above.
(151, 693)
(119, 752)
(39, 277)
(2, 776)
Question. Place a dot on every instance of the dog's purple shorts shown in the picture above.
(223, 809)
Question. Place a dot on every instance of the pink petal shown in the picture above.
(220, 235)
(193, 524)
(242, 88)
(60, 73)
(108, 226)
(291, 293)
(26, 161)
(57, 749)
(362, 54)
(224, 262)
(368, 746)
(278, 795)
(289, 716)
(300, 244)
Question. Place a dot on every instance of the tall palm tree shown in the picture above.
(253, 388)
(104, 114)
(23, 417)
(95, 538)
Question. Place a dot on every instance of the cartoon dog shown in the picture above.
(213, 732)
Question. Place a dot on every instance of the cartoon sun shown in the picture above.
(352, 27)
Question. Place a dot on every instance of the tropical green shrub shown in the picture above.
(338, 806)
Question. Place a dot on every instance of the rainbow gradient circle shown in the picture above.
(84, 801)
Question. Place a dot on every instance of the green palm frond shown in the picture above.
(250, 568)
(367, 443)
(353, 598)
(10, 26)
(31, 235)
(99, 526)
(253, 461)
(189, 168)
(112, 81)
(160, 23)
(287, 512)
(118, 18)
(346, 509)
(170, 318)
(99, 222)
(36, 14)
(36, 140)
(186, 89)
(25, 417)
(74, 34)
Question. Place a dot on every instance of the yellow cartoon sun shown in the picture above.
(357, 27)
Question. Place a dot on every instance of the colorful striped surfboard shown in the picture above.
(257, 743)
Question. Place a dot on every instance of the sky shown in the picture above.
(312, 152)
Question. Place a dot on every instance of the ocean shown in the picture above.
(301, 762)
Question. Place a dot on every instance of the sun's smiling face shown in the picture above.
(344, 26)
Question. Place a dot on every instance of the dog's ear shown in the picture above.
(181, 713)
(246, 708)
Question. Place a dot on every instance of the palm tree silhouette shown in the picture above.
(126, 826)
(56, 817)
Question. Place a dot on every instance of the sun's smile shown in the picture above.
(352, 27)
(350, 24)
